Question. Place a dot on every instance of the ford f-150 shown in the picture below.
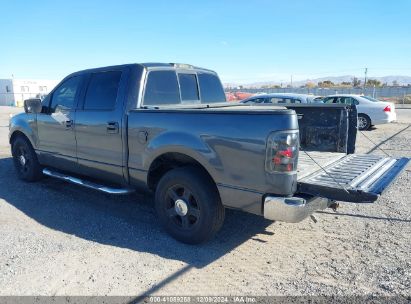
(168, 129)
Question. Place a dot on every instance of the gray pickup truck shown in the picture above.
(168, 129)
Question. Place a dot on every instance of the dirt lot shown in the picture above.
(59, 239)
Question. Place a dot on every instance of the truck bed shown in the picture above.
(307, 166)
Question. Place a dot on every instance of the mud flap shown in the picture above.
(354, 178)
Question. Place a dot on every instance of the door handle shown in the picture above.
(112, 127)
(68, 124)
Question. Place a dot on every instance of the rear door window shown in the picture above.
(102, 91)
(256, 100)
(350, 101)
(345, 100)
(279, 100)
(330, 100)
(282, 100)
(161, 88)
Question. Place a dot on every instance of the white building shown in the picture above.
(14, 91)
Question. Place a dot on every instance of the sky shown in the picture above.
(244, 41)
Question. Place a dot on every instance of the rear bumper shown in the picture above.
(384, 119)
(292, 209)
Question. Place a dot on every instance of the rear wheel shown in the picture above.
(364, 122)
(25, 160)
(188, 205)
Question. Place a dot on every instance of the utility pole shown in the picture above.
(365, 77)
(291, 84)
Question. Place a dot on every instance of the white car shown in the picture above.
(370, 110)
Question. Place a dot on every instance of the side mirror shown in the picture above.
(32, 105)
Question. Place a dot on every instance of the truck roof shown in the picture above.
(147, 65)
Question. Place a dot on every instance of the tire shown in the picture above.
(25, 160)
(188, 205)
(364, 122)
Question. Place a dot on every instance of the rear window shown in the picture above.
(161, 88)
(102, 91)
(188, 86)
(211, 88)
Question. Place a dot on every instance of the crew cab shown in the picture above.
(167, 129)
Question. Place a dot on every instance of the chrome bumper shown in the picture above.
(292, 209)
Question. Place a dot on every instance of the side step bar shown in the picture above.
(87, 184)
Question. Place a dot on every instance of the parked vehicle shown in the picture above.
(318, 99)
(230, 96)
(370, 111)
(283, 98)
(166, 128)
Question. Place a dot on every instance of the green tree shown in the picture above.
(356, 82)
(310, 85)
(373, 82)
(326, 84)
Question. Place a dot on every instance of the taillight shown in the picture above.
(282, 151)
(387, 108)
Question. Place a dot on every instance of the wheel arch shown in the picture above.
(21, 125)
(171, 160)
(364, 114)
(19, 133)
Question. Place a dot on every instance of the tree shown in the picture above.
(310, 85)
(270, 86)
(395, 83)
(346, 83)
(326, 84)
(356, 82)
(373, 82)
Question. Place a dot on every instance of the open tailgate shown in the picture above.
(354, 178)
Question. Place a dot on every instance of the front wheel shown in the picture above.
(25, 160)
(188, 205)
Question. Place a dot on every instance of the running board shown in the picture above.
(87, 184)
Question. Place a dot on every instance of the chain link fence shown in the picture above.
(400, 95)
(395, 94)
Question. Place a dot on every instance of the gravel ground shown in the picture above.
(59, 239)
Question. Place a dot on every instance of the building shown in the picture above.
(14, 91)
